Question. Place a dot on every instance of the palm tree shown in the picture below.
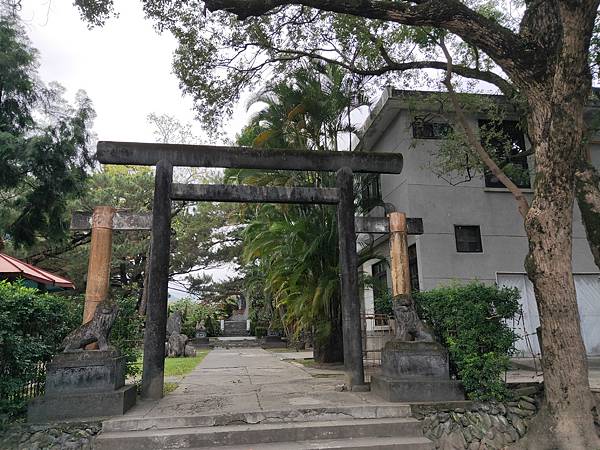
(296, 246)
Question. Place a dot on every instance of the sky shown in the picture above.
(125, 68)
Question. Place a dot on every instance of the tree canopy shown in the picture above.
(44, 144)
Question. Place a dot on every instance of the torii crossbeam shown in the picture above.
(165, 156)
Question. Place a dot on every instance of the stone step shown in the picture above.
(259, 417)
(249, 435)
(393, 443)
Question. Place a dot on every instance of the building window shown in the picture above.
(379, 273)
(413, 267)
(427, 129)
(468, 239)
(370, 191)
(506, 144)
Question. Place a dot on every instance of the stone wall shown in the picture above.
(477, 425)
(50, 436)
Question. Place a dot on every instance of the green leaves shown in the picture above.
(32, 326)
(44, 145)
(471, 321)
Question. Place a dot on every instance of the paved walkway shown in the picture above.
(251, 380)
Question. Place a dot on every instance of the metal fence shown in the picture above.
(377, 329)
(31, 386)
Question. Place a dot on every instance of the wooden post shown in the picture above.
(156, 316)
(399, 254)
(351, 324)
(98, 274)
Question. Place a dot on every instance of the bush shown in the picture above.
(471, 320)
(193, 312)
(32, 327)
(127, 333)
(260, 332)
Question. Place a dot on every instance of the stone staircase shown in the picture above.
(361, 427)
(234, 328)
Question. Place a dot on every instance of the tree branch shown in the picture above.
(522, 203)
(510, 51)
(505, 86)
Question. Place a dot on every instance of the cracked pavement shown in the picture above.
(241, 380)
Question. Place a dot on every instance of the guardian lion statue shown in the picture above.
(409, 326)
(96, 330)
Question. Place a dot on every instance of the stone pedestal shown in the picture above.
(81, 384)
(273, 342)
(415, 372)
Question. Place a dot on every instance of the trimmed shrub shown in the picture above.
(32, 326)
(260, 332)
(471, 321)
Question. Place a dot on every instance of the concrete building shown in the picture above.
(472, 229)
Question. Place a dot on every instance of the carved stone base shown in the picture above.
(415, 372)
(48, 408)
(414, 359)
(416, 389)
(82, 384)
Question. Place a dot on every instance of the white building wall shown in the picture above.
(420, 193)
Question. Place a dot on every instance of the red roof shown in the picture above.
(14, 266)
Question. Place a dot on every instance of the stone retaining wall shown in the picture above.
(50, 436)
(476, 425)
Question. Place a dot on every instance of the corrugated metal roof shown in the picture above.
(14, 266)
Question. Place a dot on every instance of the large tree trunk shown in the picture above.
(329, 347)
(588, 199)
(556, 130)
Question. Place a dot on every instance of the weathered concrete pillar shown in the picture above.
(98, 274)
(399, 254)
(351, 325)
(158, 284)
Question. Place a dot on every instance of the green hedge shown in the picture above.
(32, 326)
(471, 320)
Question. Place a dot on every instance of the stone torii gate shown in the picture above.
(165, 156)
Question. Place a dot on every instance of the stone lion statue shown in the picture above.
(96, 330)
(409, 326)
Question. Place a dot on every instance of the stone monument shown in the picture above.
(177, 344)
(414, 367)
(85, 383)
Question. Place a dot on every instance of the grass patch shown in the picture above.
(182, 366)
(306, 362)
(169, 387)
(178, 366)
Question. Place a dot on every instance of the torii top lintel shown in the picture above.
(148, 154)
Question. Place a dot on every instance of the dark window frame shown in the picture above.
(511, 129)
(370, 191)
(423, 128)
(466, 244)
(379, 274)
(413, 268)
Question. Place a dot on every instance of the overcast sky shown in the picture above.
(125, 66)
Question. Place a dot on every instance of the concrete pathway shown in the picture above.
(252, 380)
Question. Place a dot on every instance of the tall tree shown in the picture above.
(296, 247)
(543, 55)
(44, 144)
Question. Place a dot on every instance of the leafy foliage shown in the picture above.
(32, 326)
(128, 332)
(44, 144)
(471, 321)
(292, 251)
(193, 312)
